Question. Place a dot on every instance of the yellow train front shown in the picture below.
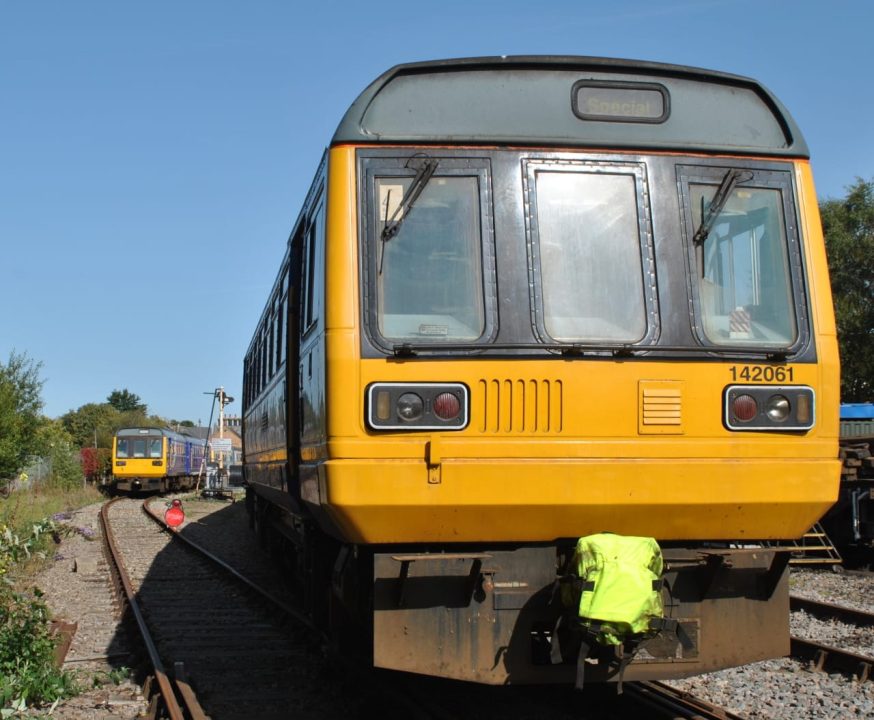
(531, 299)
(155, 460)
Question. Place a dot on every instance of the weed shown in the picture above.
(27, 650)
(116, 676)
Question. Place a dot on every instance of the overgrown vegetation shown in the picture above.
(23, 509)
(28, 674)
(28, 535)
(20, 405)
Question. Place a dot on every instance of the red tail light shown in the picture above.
(418, 406)
(769, 408)
(447, 406)
(745, 408)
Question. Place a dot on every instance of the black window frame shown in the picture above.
(764, 178)
(377, 166)
(622, 166)
(313, 259)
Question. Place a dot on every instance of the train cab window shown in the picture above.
(428, 276)
(589, 249)
(156, 448)
(743, 274)
(139, 448)
(122, 448)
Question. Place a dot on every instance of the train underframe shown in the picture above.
(164, 484)
(849, 523)
(488, 614)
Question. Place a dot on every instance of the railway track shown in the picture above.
(673, 703)
(218, 650)
(223, 647)
(826, 657)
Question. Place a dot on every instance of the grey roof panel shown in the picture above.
(527, 101)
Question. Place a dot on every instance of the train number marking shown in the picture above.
(759, 373)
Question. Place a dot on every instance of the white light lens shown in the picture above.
(410, 407)
(778, 408)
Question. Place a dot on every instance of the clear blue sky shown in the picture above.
(154, 155)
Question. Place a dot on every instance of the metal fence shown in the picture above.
(36, 473)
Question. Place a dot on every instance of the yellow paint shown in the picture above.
(139, 467)
(563, 448)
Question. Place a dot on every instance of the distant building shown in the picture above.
(229, 447)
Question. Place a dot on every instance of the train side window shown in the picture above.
(312, 287)
(256, 371)
(263, 353)
(741, 248)
(271, 330)
(280, 336)
(590, 245)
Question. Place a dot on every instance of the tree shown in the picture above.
(126, 401)
(54, 442)
(20, 405)
(848, 225)
(92, 424)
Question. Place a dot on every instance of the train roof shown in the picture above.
(570, 101)
(156, 432)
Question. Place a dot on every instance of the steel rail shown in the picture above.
(266, 594)
(826, 657)
(677, 703)
(117, 562)
(399, 697)
(829, 610)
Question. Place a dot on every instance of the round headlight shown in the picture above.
(777, 408)
(410, 407)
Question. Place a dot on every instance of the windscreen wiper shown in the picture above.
(425, 167)
(723, 192)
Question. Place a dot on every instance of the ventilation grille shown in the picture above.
(661, 407)
(516, 406)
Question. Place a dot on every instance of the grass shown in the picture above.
(23, 508)
(28, 675)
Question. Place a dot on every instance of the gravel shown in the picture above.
(77, 588)
(786, 689)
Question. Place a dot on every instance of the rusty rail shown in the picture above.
(826, 657)
(829, 610)
(676, 703)
(128, 595)
(262, 592)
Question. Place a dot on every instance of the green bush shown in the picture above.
(28, 674)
